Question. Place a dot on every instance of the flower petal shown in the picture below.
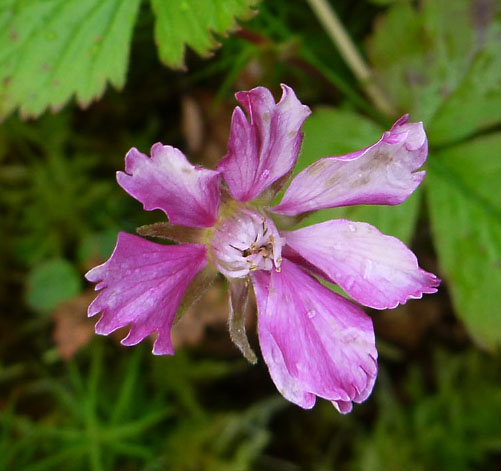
(266, 148)
(384, 173)
(344, 407)
(142, 284)
(315, 342)
(376, 270)
(188, 195)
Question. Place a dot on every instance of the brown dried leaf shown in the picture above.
(192, 124)
(73, 329)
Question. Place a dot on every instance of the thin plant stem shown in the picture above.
(350, 54)
(306, 54)
(350, 93)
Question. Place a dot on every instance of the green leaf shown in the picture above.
(335, 131)
(53, 49)
(441, 61)
(331, 131)
(398, 221)
(383, 2)
(97, 245)
(193, 22)
(476, 102)
(52, 282)
(465, 206)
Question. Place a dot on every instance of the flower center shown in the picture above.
(247, 241)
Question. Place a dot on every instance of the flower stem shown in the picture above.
(350, 54)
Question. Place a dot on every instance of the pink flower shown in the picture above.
(314, 341)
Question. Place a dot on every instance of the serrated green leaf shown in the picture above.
(331, 131)
(465, 206)
(193, 22)
(51, 283)
(442, 62)
(53, 49)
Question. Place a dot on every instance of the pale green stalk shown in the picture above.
(350, 54)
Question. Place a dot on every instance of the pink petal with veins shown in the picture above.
(142, 284)
(315, 342)
(384, 173)
(188, 195)
(265, 148)
(376, 270)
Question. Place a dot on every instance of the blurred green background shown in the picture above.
(70, 400)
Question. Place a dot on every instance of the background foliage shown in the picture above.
(72, 401)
